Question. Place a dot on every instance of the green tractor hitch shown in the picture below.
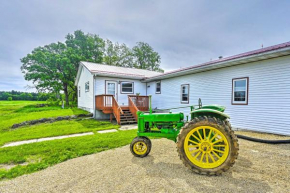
(206, 143)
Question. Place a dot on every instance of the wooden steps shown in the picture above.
(127, 118)
(108, 105)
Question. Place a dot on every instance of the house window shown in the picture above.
(87, 86)
(240, 91)
(127, 87)
(79, 91)
(158, 87)
(185, 93)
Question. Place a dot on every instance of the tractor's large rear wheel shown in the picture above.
(207, 145)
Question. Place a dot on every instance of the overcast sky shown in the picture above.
(184, 33)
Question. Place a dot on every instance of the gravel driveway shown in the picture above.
(259, 168)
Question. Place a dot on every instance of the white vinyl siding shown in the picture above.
(86, 98)
(268, 97)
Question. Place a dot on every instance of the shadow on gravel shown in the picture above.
(284, 146)
(230, 181)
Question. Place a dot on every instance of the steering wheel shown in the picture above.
(199, 103)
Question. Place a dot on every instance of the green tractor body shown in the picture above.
(165, 125)
(205, 143)
(168, 125)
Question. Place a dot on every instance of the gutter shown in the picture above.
(115, 75)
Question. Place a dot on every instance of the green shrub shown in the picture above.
(9, 98)
(53, 102)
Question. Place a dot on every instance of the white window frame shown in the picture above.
(181, 93)
(125, 92)
(157, 92)
(87, 86)
(246, 91)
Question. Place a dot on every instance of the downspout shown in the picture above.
(146, 88)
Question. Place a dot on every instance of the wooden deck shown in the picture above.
(108, 105)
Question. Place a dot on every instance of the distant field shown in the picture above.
(23, 159)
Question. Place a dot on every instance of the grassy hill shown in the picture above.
(23, 159)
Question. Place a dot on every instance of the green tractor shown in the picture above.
(206, 143)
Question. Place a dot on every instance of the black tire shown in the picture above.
(225, 128)
(142, 141)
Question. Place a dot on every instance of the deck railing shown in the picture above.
(108, 103)
(117, 111)
(138, 103)
(132, 108)
(141, 102)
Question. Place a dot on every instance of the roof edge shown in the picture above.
(78, 74)
(239, 57)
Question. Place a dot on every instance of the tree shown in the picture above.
(5, 95)
(48, 68)
(126, 56)
(146, 58)
(53, 67)
(17, 95)
(86, 47)
(118, 55)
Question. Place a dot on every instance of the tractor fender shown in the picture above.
(213, 112)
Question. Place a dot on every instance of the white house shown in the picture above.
(254, 86)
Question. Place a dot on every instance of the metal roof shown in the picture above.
(107, 70)
(251, 56)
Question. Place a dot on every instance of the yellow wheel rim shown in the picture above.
(140, 148)
(206, 147)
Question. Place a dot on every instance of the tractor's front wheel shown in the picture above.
(207, 145)
(140, 146)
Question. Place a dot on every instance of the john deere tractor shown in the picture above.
(206, 143)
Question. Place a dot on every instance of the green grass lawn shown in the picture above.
(33, 157)
(12, 112)
(41, 155)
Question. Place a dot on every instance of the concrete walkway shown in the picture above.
(108, 131)
(124, 127)
(46, 139)
(128, 127)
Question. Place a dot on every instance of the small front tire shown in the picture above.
(140, 146)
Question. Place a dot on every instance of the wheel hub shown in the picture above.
(205, 147)
(140, 148)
